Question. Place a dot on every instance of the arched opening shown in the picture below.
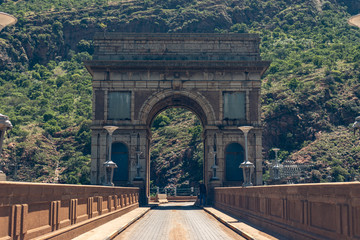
(234, 156)
(194, 102)
(120, 155)
(159, 104)
(177, 150)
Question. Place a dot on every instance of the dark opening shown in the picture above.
(234, 157)
(120, 155)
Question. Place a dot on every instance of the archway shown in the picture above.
(194, 103)
(136, 77)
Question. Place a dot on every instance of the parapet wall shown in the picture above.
(176, 47)
(304, 211)
(54, 211)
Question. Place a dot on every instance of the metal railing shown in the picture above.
(175, 191)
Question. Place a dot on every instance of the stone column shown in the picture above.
(5, 125)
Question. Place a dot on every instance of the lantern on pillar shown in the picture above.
(277, 167)
(109, 164)
(247, 166)
(109, 172)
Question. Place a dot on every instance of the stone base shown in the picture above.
(143, 199)
(210, 190)
(2, 176)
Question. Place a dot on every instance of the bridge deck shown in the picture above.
(178, 221)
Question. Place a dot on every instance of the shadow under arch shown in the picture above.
(120, 156)
(234, 156)
(194, 102)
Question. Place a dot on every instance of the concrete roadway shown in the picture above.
(177, 221)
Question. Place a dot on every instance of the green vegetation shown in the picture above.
(50, 107)
(176, 149)
(312, 87)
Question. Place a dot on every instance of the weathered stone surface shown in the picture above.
(192, 71)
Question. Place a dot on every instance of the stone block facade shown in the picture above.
(153, 72)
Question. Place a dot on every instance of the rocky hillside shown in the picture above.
(311, 89)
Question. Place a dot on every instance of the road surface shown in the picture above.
(177, 221)
(355, 20)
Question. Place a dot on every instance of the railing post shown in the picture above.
(100, 200)
(116, 204)
(90, 206)
(122, 203)
(54, 214)
(109, 204)
(73, 210)
(19, 218)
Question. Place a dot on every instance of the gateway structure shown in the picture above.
(137, 76)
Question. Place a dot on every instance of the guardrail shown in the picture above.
(175, 194)
(55, 211)
(184, 191)
(301, 211)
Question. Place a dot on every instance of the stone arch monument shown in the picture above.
(136, 76)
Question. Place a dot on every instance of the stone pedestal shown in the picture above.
(210, 191)
(2, 176)
(143, 199)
